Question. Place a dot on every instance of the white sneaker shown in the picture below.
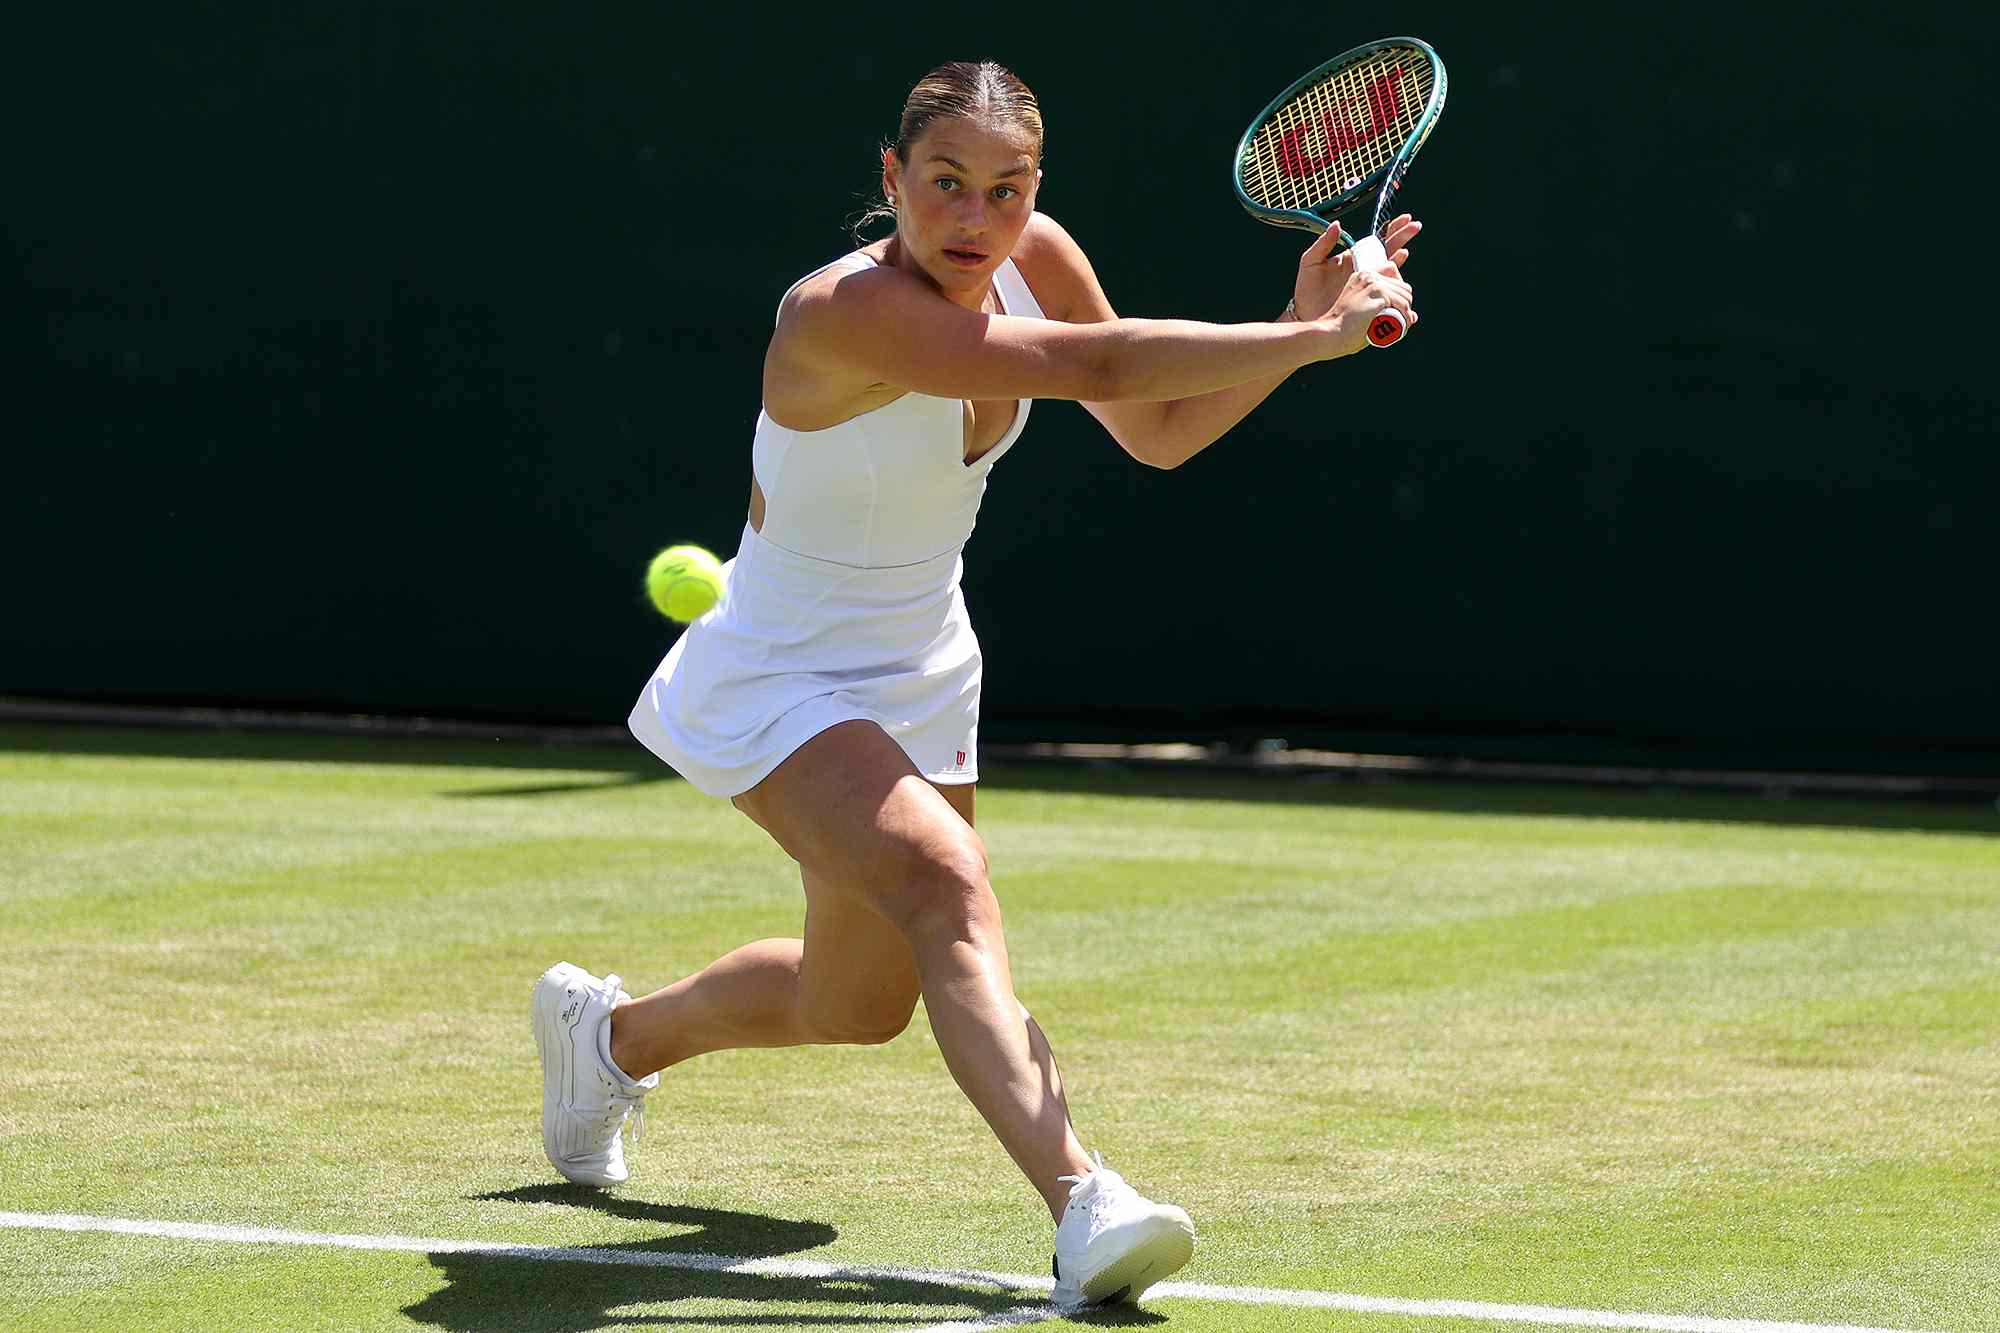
(1112, 1243)
(586, 1099)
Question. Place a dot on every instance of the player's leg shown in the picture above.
(852, 979)
(962, 797)
(747, 997)
(872, 833)
(851, 809)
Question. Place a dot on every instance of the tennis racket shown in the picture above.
(1339, 140)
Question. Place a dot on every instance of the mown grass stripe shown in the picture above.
(1012, 1283)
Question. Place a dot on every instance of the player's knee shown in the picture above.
(945, 889)
(867, 1025)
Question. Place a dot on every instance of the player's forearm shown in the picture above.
(1189, 425)
(1164, 360)
(1186, 426)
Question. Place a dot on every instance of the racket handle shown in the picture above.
(1387, 327)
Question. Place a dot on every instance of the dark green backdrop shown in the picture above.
(365, 351)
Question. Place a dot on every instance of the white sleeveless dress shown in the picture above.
(847, 604)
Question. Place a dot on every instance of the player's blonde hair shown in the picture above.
(971, 89)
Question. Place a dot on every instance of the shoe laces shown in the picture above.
(1097, 1189)
(1076, 1182)
(625, 1105)
(626, 1108)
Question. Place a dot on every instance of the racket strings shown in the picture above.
(1340, 131)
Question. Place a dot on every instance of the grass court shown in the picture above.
(1672, 1056)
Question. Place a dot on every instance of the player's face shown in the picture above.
(964, 199)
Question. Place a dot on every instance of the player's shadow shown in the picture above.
(609, 783)
(595, 1286)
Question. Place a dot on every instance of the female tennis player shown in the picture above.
(833, 692)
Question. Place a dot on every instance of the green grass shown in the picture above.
(1680, 1054)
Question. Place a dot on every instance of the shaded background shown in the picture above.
(365, 353)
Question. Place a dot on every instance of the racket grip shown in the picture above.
(1387, 327)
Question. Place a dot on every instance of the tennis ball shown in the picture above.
(684, 582)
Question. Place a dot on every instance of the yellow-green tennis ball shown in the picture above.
(684, 582)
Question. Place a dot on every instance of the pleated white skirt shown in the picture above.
(796, 645)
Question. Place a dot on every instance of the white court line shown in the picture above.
(1553, 1315)
(1011, 1283)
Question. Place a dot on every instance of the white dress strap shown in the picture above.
(1014, 292)
(857, 260)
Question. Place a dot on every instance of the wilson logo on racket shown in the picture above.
(1337, 130)
(1282, 171)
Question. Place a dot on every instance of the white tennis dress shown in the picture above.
(847, 604)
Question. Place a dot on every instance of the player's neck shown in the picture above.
(977, 298)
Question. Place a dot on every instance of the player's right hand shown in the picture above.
(1366, 295)
(1323, 271)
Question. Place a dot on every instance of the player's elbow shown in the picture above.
(1105, 377)
(1156, 453)
(1115, 366)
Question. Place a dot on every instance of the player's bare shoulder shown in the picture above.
(1059, 273)
(818, 306)
(809, 381)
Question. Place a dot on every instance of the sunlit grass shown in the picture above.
(1696, 1055)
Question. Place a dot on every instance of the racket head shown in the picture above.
(1341, 136)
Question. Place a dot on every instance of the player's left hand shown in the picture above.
(1322, 274)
